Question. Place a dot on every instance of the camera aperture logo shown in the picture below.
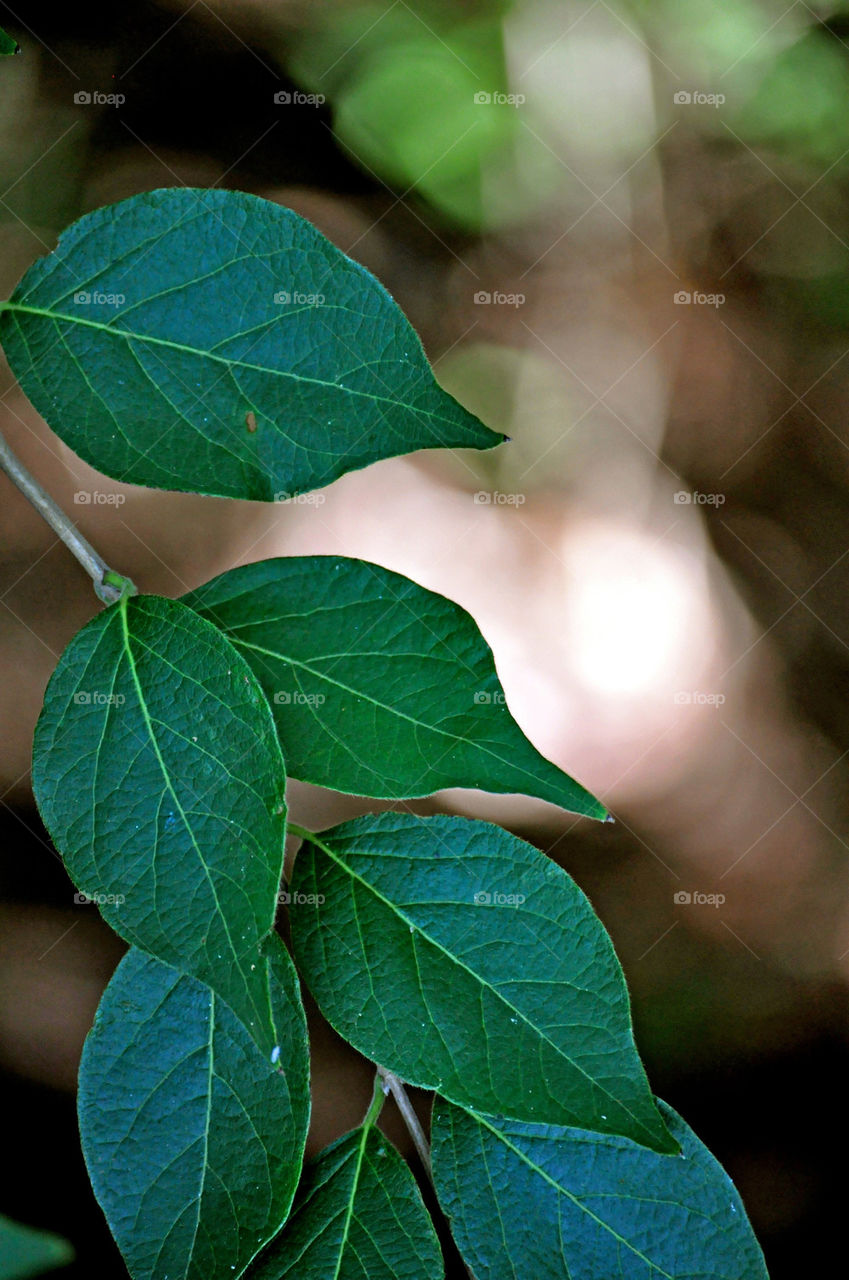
(683, 898)
(697, 98)
(84, 298)
(94, 498)
(484, 699)
(494, 498)
(499, 99)
(498, 298)
(301, 499)
(94, 698)
(684, 499)
(494, 898)
(687, 698)
(297, 98)
(294, 897)
(99, 899)
(283, 298)
(695, 298)
(297, 698)
(94, 98)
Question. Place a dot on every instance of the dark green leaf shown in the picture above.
(459, 957)
(533, 1202)
(158, 342)
(193, 1136)
(8, 46)
(25, 1252)
(379, 687)
(159, 776)
(358, 1215)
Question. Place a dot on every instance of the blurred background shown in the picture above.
(622, 229)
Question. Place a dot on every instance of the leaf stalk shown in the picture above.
(109, 586)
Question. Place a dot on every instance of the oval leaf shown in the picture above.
(159, 776)
(193, 1138)
(213, 341)
(358, 1215)
(25, 1252)
(379, 687)
(462, 959)
(534, 1202)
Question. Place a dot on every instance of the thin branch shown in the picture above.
(392, 1084)
(109, 586)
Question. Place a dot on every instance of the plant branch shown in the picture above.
(109, 586)
(394, 1085)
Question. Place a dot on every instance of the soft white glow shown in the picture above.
(637, 616)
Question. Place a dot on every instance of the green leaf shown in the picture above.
(25, 1252)
(358, 1215)
(158, 773)
(379, 687)
(193, 1137)
(534, 1202)
(460, 958)
(8, 46)
(151, 341)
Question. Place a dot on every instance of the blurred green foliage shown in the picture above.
(25, 1252)
(409, 92)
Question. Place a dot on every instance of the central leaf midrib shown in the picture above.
(123, 609)
(349, 1207)
(207, 1121)
(171, 345)
(456, 960)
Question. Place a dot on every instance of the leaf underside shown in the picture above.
(156, 342)
(193, 1139)
(358, 1215)
(159, 776)
(411, 937)
(539, 1203)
